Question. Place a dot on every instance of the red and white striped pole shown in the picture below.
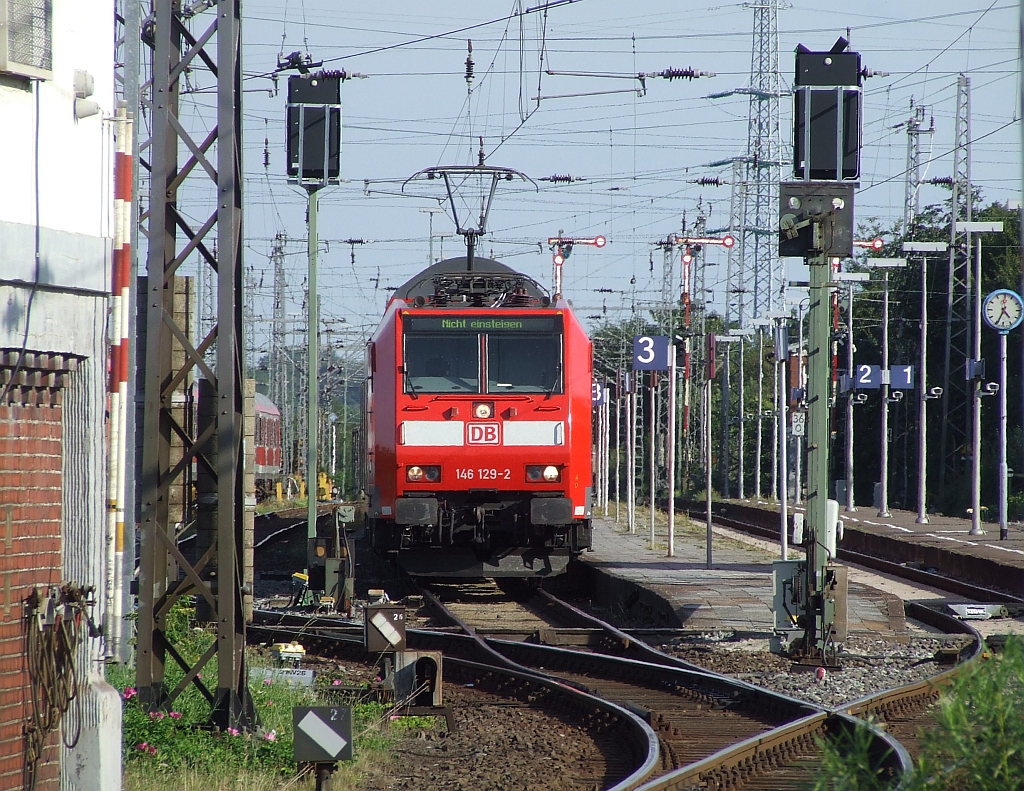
(120, 305)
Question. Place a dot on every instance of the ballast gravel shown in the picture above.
(868, 665)
(498, 746)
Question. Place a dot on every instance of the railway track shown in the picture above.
(695, 713)
(772, 757)
(703, 729)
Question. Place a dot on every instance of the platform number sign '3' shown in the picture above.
(598, 393)
(650, 352)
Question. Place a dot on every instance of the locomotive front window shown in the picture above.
(523, 363)
(437, 363)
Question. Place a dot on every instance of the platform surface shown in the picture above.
(735, 595)
(943, 544)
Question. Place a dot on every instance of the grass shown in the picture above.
(977, 743)
(272, 504)
(176, 748)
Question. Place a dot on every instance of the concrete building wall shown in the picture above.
(56, 222)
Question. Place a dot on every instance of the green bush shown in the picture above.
(977, 743)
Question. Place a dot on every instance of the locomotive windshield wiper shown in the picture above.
(409, 387)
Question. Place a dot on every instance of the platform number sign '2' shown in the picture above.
(650, 352)
(868, 377)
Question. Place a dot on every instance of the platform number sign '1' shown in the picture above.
(901, 377)
(650, 352)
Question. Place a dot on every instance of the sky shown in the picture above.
(638, 156)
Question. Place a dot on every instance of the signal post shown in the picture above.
(816, 223)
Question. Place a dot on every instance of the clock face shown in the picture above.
(1003, 310)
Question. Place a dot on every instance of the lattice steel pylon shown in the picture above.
(956, 404)
(280, 365)
(212, 187)
(735, 271)
(912, 183)
(762, 268)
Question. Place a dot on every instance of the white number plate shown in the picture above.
(482, 474)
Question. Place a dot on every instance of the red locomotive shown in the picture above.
(479, 425)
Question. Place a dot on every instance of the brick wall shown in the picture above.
(30, 556)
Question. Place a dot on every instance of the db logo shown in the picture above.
(483, 434)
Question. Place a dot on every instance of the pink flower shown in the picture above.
(199, 675)
(270, 703)
(156, 715)
(336, 682)
(393, 717)
(175, 715)
(130, 692)
(144, 746)
(268, 681)
(152, 750)
(270, 737)
(232, 731)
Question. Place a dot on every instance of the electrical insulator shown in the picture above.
(941, 180)
(469, 62)
(709, 181)
(678, 74)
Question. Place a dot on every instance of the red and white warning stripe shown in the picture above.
(120, 305)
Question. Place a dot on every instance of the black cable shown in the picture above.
(35, 278)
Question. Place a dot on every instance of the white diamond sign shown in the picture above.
(323, 734)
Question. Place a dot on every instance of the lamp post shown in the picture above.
(1003, 311)
(851, 397)
(977, 228)
(885, 264)
(801, 384)
(760, 323)
(924, 393)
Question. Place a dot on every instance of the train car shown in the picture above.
(478, 425)
(267, 446)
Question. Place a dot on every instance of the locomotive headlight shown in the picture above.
(482, 410)
(428, 472)
(536, 473)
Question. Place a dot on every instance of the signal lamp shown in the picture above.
(558, 258)
(600, 241)
(430, 473)
(728, 241)
(552, 473)
(536, 473)
(482, 410)
(687, 258)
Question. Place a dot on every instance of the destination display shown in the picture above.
(533, 324)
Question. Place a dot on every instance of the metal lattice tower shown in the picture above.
(669, 288)
(735, 280)
(762, 269)
(280, 366)
(956, 405)
(194, 215)
(912, 189)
